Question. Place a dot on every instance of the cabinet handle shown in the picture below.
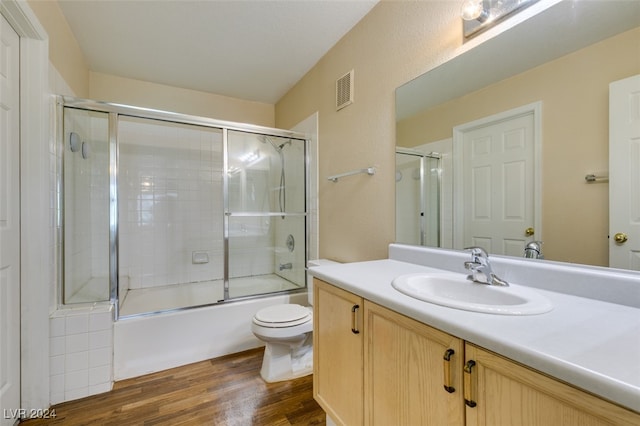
(447, 370)
(468, 397)
(354, 319)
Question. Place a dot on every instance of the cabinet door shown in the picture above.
(408, 381)
(507, 394)
(337, 353)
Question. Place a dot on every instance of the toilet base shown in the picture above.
(284, 362)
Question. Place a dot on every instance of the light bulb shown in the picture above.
(473, 10)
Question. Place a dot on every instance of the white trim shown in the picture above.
(22, 19)
(458, 136)
(36, 256)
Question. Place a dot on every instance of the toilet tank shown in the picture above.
(316, 262)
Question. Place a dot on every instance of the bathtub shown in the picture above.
(147, 344)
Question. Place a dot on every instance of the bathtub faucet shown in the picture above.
(284, 266)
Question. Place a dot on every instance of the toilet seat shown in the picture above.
(280, 316)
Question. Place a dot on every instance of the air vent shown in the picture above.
(344, 90)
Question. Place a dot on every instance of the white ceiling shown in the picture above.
(247, 49)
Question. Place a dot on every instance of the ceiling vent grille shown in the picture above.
(344, 91)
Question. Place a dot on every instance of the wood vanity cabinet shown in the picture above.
(506, 393)
(383, 368)
(413, 372)
(337, 353)
(387, 370)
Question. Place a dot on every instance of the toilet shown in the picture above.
(286, 331)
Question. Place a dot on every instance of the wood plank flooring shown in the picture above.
(221, 391)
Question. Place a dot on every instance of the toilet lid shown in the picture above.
(283, 314)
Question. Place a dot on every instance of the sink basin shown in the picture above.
(456, 291)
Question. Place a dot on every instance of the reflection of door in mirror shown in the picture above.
(624, 173)
(418, 194)
(495, 182)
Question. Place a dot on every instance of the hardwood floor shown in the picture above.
(221, 391)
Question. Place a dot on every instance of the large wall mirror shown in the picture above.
(494, 146)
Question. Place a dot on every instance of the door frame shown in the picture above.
(36, 240)
(459, 131)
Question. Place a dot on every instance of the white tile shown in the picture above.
(78, 361)
(77, 323)
(77, 343)
(70, 395)
(56, 365)
(100, 388)
(56, 327)
(100, 339)
(100, 357)
(57, 346)
(99, 375)
(56, 383)
(103, 307)
(76, 380)
(56, 397)
(100, 321)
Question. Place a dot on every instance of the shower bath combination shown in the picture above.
(158, 187)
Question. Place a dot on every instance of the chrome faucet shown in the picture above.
(533, 250)
(480, 268)
(284, 266)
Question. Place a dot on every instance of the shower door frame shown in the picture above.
(423, 204)
(114, 111)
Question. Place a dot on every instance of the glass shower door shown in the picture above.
(266, 214)
(170, 198)
(85, 206)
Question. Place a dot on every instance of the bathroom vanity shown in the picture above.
(382, 357)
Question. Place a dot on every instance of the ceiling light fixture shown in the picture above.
(479, 15)
(474, 10)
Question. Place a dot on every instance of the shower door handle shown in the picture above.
(354, 319)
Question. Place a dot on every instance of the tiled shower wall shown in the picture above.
(81, 352)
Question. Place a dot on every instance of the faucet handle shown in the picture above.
(477, 251)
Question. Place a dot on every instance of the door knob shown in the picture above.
(620, 237)
(529, 232)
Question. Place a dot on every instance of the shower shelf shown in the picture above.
(369, 170)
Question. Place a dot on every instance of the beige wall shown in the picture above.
(574, 91)
(394, 43)
(64, 50)
(127, 91)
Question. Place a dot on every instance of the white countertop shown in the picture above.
(591, 344)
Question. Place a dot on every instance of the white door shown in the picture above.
(9, 224)
(496, 182)
(624, 173)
